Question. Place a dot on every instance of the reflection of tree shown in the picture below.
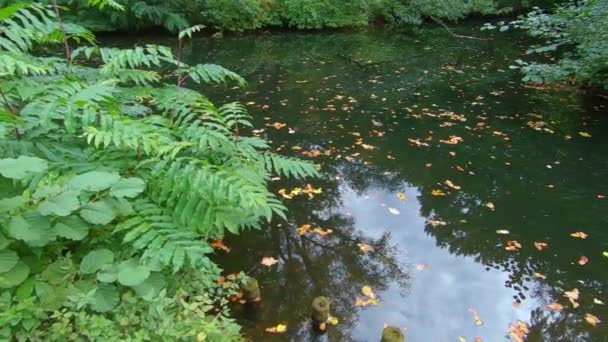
(332, 266)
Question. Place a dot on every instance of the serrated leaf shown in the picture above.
(72, 227)
(14, 276)
(61, 205)
(128, 187)
(95, 260)
(105, 298)
(150, 288)
(8, 260)
(10, 204)
(32, 228)
(133, 276)
(108, 274)
(94, 181)
(22, 167)
(98, 213)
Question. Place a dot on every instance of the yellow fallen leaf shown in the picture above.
(540, 275)
(585, 134)
(579, 235)
(269, 261)
(591, 319)
(438, 193)
(402, 196)
(490, 205)
(476, 317)
(597, 301)
(365, 247)
(573, 297)
(279, 329)
(503, 232)
(452, 185)
(368, 292)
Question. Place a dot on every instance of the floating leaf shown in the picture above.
(438, 193)
(279, 329)
(579, 235)
(584, 134)
(555, 307)
(219, 244)
(540, 245)
(573, 297)
(402, 196)
(269, 261)
(368, 292)
(393, 211)
(476, 317)
(591, 319)
(540, 275)
(583, 260)
(597, 301)
(452, 185)
(503, 232)
(490, 205)
(513, 246)
(365, 248)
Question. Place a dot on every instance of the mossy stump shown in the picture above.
(392, 334)
(251, 290)
(320, 313)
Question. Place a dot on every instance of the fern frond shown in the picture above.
(211, 73)
(289, 167)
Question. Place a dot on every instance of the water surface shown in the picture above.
(375, 105)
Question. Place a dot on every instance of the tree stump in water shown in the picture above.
(320, 313)
(392, 334)
(251, 290)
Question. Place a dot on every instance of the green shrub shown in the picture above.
(317, 14)
(235, 15)
(113, 183)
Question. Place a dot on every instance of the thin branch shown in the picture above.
(66, 44)
(440, 22)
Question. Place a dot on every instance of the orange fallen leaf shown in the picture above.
(540, 245)
(322, 232)
(519, 331)
(513, 246)
(305, 229)
(583, 260)
(367, 302)
(591, 319)
(269, 261)
(219, 244)
(279, 329)
(402, 196)
(476, 317)
(454, 140)
(540, 275)
(555, 307)
(579, 235)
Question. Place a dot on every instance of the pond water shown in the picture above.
(430, 148)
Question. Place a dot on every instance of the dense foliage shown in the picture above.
(576, 32)
(240, 15)
(114, 181)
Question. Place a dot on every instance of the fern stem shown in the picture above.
(66, 44)
(13, 111)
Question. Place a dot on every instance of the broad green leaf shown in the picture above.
(22, 167)
(95, 260)
(72, 227)
(61, 205)
(58, 272)
(128, 187)
(55, 298)
(10, 204)
(94, 181)
(32, 228)
(98, 213)
(24, 291)
(105, 299)
(14, 276)
(108, 274)
(150, 288)
(4, 242)
(8, 260)
(133, 275)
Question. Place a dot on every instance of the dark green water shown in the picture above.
(544, 186)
